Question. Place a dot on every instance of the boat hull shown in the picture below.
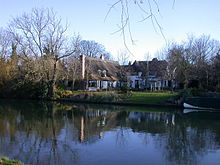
(202, 103)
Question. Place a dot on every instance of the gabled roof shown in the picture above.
(155, 68)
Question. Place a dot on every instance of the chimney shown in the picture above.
(139, 74)
(104, 73)
(102, 57)
(82, 62)
(155, 59)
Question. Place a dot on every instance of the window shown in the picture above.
(92, 83)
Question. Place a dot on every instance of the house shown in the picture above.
(147, 74)
(99, 74)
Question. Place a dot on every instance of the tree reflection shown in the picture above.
(31, 134)
(188, 140)
(51, 133)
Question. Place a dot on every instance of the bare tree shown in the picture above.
(73, 67)
(191, 61)
(198, 53)
(5, 44)
(175, 59)
(123, 57)
(41, 37)
(8, 57)
(93, 49)
(215, 74)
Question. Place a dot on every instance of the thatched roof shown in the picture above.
(99, 69)
(155, 68)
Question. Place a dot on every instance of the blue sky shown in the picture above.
(86, 17)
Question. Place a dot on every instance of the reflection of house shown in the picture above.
(147, 74)
(99, 73)
(91, 123)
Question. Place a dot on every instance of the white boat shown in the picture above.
(202, 103)
(188, 106)
(196, 110)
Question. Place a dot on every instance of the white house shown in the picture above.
(99, 74)
(147, 74)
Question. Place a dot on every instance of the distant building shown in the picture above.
(99, 74)
(147, 74)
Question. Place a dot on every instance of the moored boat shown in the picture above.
(197, 110)
(202, 103)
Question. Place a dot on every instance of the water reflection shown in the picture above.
(52, 133)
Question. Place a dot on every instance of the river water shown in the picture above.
(65, 134)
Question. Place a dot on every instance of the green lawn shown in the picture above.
(92, 92)
(149, 97)
(135, 97)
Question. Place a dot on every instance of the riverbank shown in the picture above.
(6, 161)
(148, 99)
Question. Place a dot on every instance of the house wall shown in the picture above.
(151, 82)
(114, 84)
(98, 84)
(104, 85)
(132, 80)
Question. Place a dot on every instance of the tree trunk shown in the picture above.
(73, 84)
(51, 86)
(52, 83)
(186, 83)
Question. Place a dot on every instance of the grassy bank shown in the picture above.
(6, 161)
(157, 98)
(149, 97)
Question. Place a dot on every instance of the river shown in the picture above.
(47, 133)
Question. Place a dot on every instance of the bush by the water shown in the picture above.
(14, 89)
(61, 93)
(97, 97)
(125, 89)
(192, 92)
(6, 161)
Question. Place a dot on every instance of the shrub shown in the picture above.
(108, 97)
(125, 89)
(27, 89)
(217, 88)
(60, 93)
(191, 92)
(6, 161)
(97, 97)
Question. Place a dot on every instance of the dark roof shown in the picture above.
(155, 68)
(98, 68)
